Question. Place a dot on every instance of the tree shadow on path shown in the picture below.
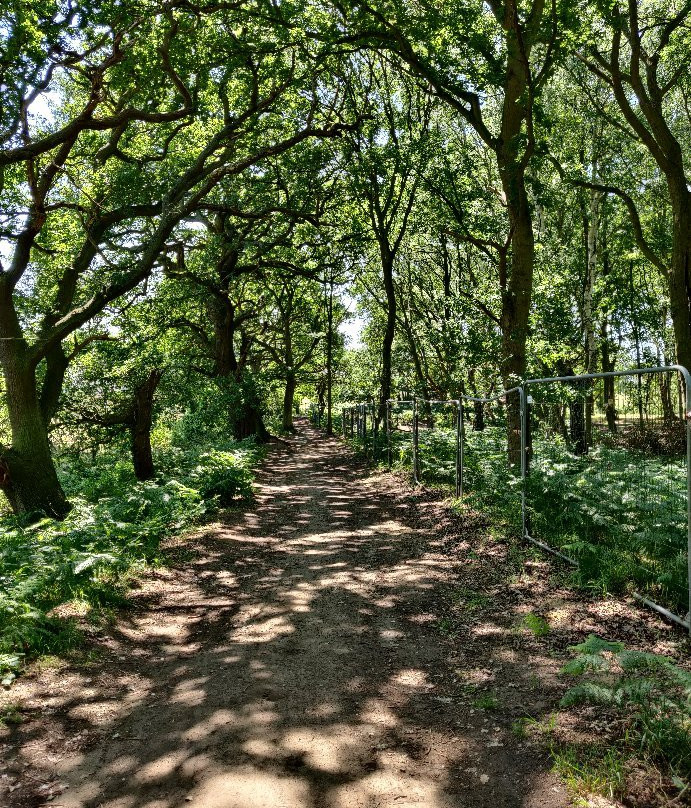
(298, 663)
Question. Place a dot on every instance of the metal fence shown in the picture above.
(360, 424)
(607, 482)
(594, 468)
(493, 456)
(398, 430)
(437, 444)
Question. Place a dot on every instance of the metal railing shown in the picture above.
(595, 469)
(618, 445)
(493, 455)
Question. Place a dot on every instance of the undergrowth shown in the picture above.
(619, 514)
(116, 524)
(651, 698)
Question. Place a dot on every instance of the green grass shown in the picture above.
(472, 600)
(486, 702)
(10, 715)
(649, 693)
(593, 769)
(116, 526)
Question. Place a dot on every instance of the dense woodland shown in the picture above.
(218, 214)
(195, 196)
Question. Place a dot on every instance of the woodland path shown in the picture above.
(295, 660)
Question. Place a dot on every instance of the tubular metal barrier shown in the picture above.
(595, 469)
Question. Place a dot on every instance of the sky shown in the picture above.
(353, 327)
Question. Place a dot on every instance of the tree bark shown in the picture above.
(142, 419)
(389, 332)
(512, 160)
(53, 380)
(680, 268)
(288, 402)
(30, 481)
(249, 421)
(516, 297)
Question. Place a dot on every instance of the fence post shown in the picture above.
(524, 404)
(416, 418)
(459, 448)
(687, 386)
(388, 433)
(375, 432)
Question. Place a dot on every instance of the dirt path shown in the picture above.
(298, 660)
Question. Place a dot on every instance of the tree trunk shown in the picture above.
(288, 400)
(608, 382)
(29, 479)
(53, 380)
(389, 333)
(515, 312)
(592, 238)
(680, 270)
(517, 283)
(329, 357)
(577, 422)
(142, 457)
(249, 421)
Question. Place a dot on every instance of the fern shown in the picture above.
(585, 662)
(649, 689)
(596, 645)
(588, 693)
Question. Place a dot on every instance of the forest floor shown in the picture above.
(345, 642)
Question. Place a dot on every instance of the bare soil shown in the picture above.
(346, 642)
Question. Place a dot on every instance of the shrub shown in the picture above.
(116, 523)
(652, 693)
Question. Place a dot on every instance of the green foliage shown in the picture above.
(10, 715)
(622, 517)
(594, 769)
(538, 625)
(116, 524)
(224, 478)
(487, 702)
(652, 693)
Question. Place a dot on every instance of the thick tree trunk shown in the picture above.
(389, 333)
(29, 479)
(51, 390)
(680, 270)
(516, 297)
(288, 401)
(513, 154)
(249, 421)
(142, 456)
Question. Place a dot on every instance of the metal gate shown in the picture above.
(594, 468)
